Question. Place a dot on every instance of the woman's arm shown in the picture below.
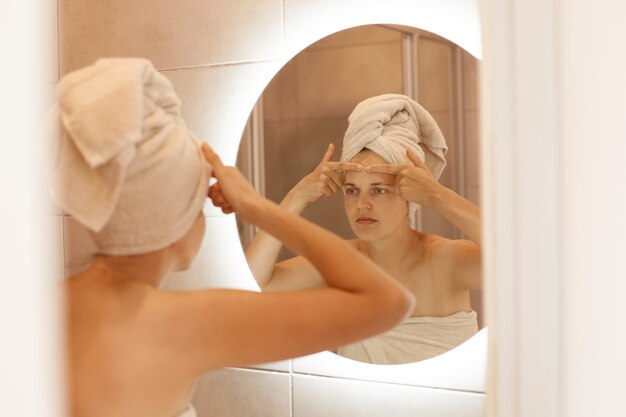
(459, 211)
(416, 184)
(263, 250)
(239, 327)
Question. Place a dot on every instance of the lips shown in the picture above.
(366, 220)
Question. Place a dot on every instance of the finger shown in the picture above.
(215, 190)
(211, 157)
(331, 188)
(415, 159)
(217, 197)
(329, 153)
(333, 180)
(219, 200)
(393, 169)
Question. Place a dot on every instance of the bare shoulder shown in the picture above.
(294, 274)
(459, 259)
(447, 249)
(298, 273)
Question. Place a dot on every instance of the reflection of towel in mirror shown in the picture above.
(125, 165)
(390, 124)
(416, 339)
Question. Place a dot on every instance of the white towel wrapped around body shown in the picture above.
(125, 165)
(416, 339)
(390, 124)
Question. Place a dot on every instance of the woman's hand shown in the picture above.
(232, 192)
(414, 183)
(324, 181)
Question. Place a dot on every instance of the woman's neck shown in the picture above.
(150, 269)
(394, 248)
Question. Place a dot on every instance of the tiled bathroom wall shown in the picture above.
(212, 51)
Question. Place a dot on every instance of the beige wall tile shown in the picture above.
(294, 148)
(171, 34)
(216, 101)
(281, 98)
(319, 396)
(243, 393)
(332, 81)
(471, 67)
(435, 68)
(471, 147)
(433, 222)
(79, 246)
(328, 81)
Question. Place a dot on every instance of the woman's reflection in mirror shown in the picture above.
(393, 152)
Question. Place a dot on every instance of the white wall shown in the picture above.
(28, 349)
(556, 194)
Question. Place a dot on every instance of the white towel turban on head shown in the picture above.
(390, 124)
(125, 165)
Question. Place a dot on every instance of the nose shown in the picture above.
(363, 202)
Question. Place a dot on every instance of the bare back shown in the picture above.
(113, 364)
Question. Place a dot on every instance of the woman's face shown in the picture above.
(373, 208)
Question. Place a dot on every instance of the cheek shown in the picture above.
(394, 204)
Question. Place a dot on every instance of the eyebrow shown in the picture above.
(373, 183)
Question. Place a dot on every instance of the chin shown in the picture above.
(366, 235)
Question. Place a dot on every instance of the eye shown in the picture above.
(350, 191)
(380, 191)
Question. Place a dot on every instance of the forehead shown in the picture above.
(367, 158)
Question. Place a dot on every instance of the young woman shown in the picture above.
(128, 169)
(383, 179)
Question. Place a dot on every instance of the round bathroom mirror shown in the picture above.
(306, 107)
